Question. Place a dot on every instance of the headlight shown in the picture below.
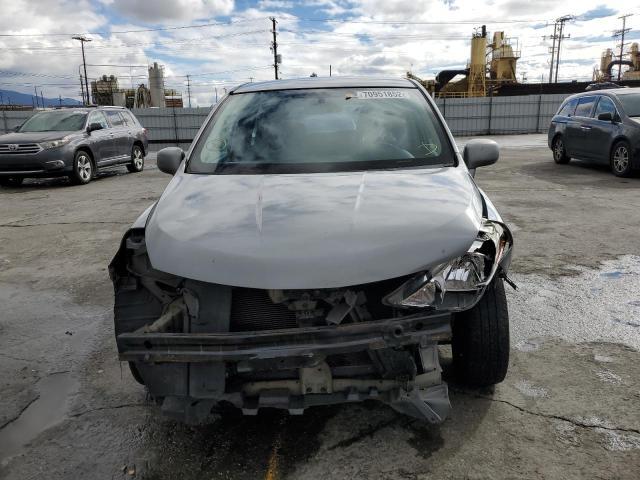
(458, 284)
(55, 143)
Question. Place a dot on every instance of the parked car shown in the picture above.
(602, 127)
(72, 142)
(316, 243)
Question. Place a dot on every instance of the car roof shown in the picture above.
(324, 82)
(613, 92)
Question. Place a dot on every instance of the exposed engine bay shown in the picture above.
(198, 345)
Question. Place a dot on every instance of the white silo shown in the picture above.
(156, 85)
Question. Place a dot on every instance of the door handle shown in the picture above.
(585, 127)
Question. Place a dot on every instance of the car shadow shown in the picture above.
(274, 444)
(31, 184)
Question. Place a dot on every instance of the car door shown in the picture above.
(121, 147)
(578, 128)
(131, 127)
(602, 132)
(100, 140)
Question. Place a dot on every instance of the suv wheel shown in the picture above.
(480, 342)
(559, 152)
(137, 160)
(621, 159)
(11, 181)
(82, 168)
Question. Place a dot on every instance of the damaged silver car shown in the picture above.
(317, 242)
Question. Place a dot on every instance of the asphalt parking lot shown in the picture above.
(569, 408)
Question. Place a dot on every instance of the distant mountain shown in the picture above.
(17, 98)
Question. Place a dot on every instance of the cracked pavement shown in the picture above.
(567, 409)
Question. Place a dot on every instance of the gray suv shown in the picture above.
(74, 143)
(602, 127)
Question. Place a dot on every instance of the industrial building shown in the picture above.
(105, 91)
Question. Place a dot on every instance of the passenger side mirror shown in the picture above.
(94, 126)
(480, 152)
(606, 117)
(169, 159)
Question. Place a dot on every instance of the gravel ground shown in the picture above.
(568, 408)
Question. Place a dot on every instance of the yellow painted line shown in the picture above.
(272, 464)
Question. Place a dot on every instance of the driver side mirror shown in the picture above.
(94, 126)
(606, 117)
(169, 159)
(480, 152)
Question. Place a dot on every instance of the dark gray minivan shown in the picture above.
(601, 126)
(72, 142)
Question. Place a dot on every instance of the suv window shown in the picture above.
(98, 117)
(115, 118)
(129, 119)
(568, 108)
(605, 105)
(585, 105)
(322, 130)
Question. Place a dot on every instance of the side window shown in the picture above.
(98, 117)
(114, 118)
(585, 105)
(128, 118)
(605, 105)
(568, 108)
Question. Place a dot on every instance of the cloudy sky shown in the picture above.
(221, 43)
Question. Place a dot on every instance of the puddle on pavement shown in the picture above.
(49, 409)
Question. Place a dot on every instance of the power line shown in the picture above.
(159, 29)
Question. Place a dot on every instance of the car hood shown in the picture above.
(32, 137)
(312, 230)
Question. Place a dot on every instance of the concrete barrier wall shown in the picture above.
(465, 116)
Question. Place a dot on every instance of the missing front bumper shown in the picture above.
(187, 371)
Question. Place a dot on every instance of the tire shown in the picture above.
(82, 168)
(137, 159)
(480, 343)
(11, 181)
(135, 373)
(620, 160)
(559, 152)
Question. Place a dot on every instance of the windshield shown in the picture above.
(58, 121)
(322, 130)
(630, 104)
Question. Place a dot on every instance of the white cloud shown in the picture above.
(173, 11)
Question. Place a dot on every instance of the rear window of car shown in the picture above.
(630, 104)
(322, 130)
(568, 108)
(114, 118)
(585, 106)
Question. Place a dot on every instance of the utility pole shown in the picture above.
(42, 98)
(621, 33)
(558, 28)
(189, 89)
(553, 51)
(329, 70)
(35, 89)
(82, 40)
(561, 21)
(216, 89)
(60, 100)
(274, 47)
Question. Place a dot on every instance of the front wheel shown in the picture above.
(559, 151)
(82, 168)
(11, 181)
(621, 159)
(480, 342)
(137, 160)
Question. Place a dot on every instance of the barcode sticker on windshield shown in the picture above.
(375, 94)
